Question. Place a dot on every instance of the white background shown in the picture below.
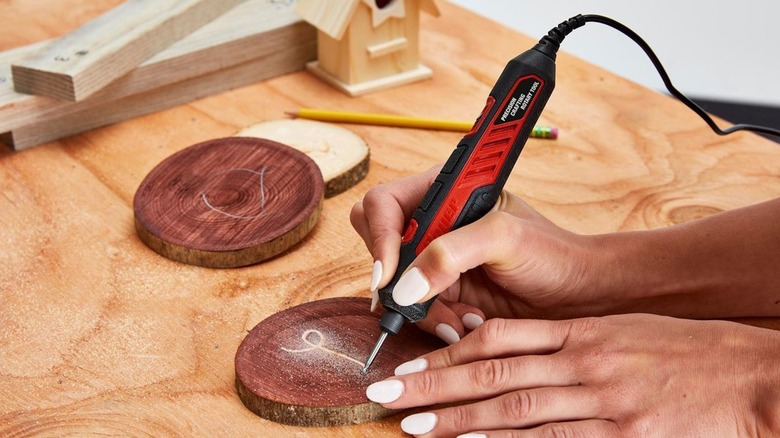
(718, 49)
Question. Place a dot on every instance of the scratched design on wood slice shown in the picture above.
(302, 366)
(228, 202)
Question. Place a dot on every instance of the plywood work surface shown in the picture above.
(101, 335)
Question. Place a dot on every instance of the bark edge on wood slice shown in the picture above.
(302, 366)
(342, 155)
(228, 202)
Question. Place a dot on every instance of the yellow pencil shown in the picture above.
(403, 121)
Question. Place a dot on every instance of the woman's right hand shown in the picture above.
(511, 263)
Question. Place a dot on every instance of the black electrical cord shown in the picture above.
(558, 33)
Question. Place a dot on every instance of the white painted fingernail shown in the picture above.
(374, 300)
(410, 288)
(472, 320)
(376, 275)
(447, 333)
(419, 424)
(413, 366)
(385, 391)
(472, 435)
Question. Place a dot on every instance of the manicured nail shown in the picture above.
(472, 320)
(376, 275)
(447, 333)
(413, 366)
(419, 424)
(385, 391)
(410, 288)
(472, 435)
(374, 300)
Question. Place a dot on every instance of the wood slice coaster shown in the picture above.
(340, 153)
(302, 366)
(228, 202)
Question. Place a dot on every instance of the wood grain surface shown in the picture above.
(229, 202)
(100, 335)
(302, 366)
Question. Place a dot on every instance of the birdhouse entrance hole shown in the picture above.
(381, 4)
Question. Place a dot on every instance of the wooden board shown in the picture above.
(341, 155)
(266, 34)
(229, 202)
(302, 366)
(82, 62)
(94, 113)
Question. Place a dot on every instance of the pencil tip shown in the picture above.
(292, 113)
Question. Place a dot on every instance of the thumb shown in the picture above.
(486, 241)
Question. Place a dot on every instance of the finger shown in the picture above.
(475, 381)
(470, 316)
(443, 322)
(359, 222)
(571, 429)
(374, 297)
(518, 409)
(357, 217)
(489, 240)
(462, 317)
(386, 209)
(502, 337)
(385, 219)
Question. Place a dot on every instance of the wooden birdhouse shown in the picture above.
(367, 45)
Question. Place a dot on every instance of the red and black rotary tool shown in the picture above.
(471, 180)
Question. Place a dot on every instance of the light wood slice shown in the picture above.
(302, 366)
(228, 202)
(340, 153)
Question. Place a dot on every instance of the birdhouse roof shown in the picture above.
(333, 16)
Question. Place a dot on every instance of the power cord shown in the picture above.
(555, 37)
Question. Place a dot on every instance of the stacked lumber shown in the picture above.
(253, 41)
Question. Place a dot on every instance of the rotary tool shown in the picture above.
(471, 180)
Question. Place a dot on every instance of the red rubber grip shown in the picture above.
(482, 167)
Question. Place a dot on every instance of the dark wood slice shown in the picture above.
(228, 202)
(318, 381)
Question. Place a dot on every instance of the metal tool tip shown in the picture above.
(374, 352)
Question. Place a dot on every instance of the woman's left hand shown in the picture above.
(623, 375)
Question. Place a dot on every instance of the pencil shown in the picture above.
(404, 121)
